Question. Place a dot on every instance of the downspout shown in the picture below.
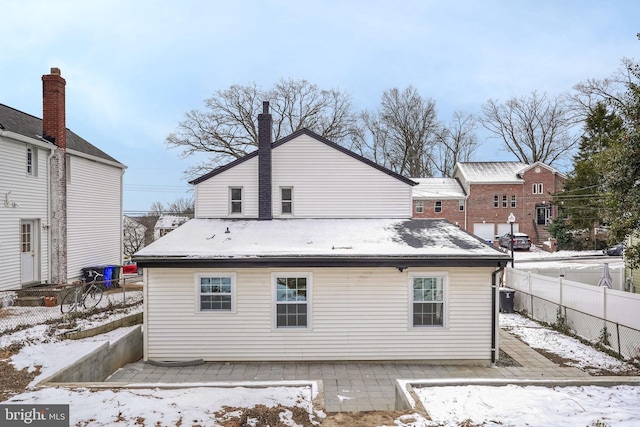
(49, 266)
(494, 308)
(121, 215)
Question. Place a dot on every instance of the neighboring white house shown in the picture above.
(89, 221)
(166, 224)
(304, 250)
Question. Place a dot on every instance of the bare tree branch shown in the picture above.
(533, 128)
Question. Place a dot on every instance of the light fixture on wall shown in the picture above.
(401, 269)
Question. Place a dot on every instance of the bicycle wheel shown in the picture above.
(93, 297)
(71, 301)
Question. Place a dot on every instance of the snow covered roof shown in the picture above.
(437, 188)
(170, 221)
(492, 172)
(320, 242)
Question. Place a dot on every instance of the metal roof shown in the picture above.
(437, 188)
(491, 172)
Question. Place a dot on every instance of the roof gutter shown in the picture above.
(401, 263)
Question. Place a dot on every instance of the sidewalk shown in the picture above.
(357, 386)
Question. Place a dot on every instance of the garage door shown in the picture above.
(484, 231)
(506, 228)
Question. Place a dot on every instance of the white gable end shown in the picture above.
(324, 183)
(328, 183)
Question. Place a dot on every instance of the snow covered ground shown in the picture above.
(448, 406)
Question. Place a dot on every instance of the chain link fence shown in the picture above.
(615, 337)
(24, 308)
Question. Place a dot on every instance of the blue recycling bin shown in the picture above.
(108, 274)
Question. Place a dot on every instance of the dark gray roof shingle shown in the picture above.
(30, 126)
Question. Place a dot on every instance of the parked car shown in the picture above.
(616, 250)
(520, 241)
(130, 267)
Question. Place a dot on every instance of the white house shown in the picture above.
(304, 250)
(167, 223)
(61, 197)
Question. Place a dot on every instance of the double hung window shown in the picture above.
(31, 161)
(428, 304)
(235, 202)
(292, 300)
(286, 196)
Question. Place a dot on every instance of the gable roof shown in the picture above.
(30, 126)
(438, 188)
(293, 136)
(541, 165)
(319, 243)
(491, 172)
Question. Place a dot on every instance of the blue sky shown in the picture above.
(133, 68)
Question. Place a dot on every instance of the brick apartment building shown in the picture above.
(488, 193)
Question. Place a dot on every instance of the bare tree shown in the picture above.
(533, 128)
(157, 209)
(227, 129)
(182, 206)
(402, 134)
(612, 91)
(133, 236)
(457, 143)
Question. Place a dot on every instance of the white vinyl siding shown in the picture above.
(328, 184)
(332, 184)
(356, 314)
(26, 199)
(94, 215)
(212, 196)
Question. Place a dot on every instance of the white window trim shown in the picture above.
(461, 205)
(33, 151)
(538, 188)
(419, 206)
(282, 201)
(231, 188)
(234, 293)
(274, 300)
(445, 299)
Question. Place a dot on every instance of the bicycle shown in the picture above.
(89, 298)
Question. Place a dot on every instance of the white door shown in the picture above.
(506, 228)
(484, 231)
(28, 253)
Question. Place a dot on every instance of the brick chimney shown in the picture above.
(264, 163)
(54, 129)
(53, 108)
